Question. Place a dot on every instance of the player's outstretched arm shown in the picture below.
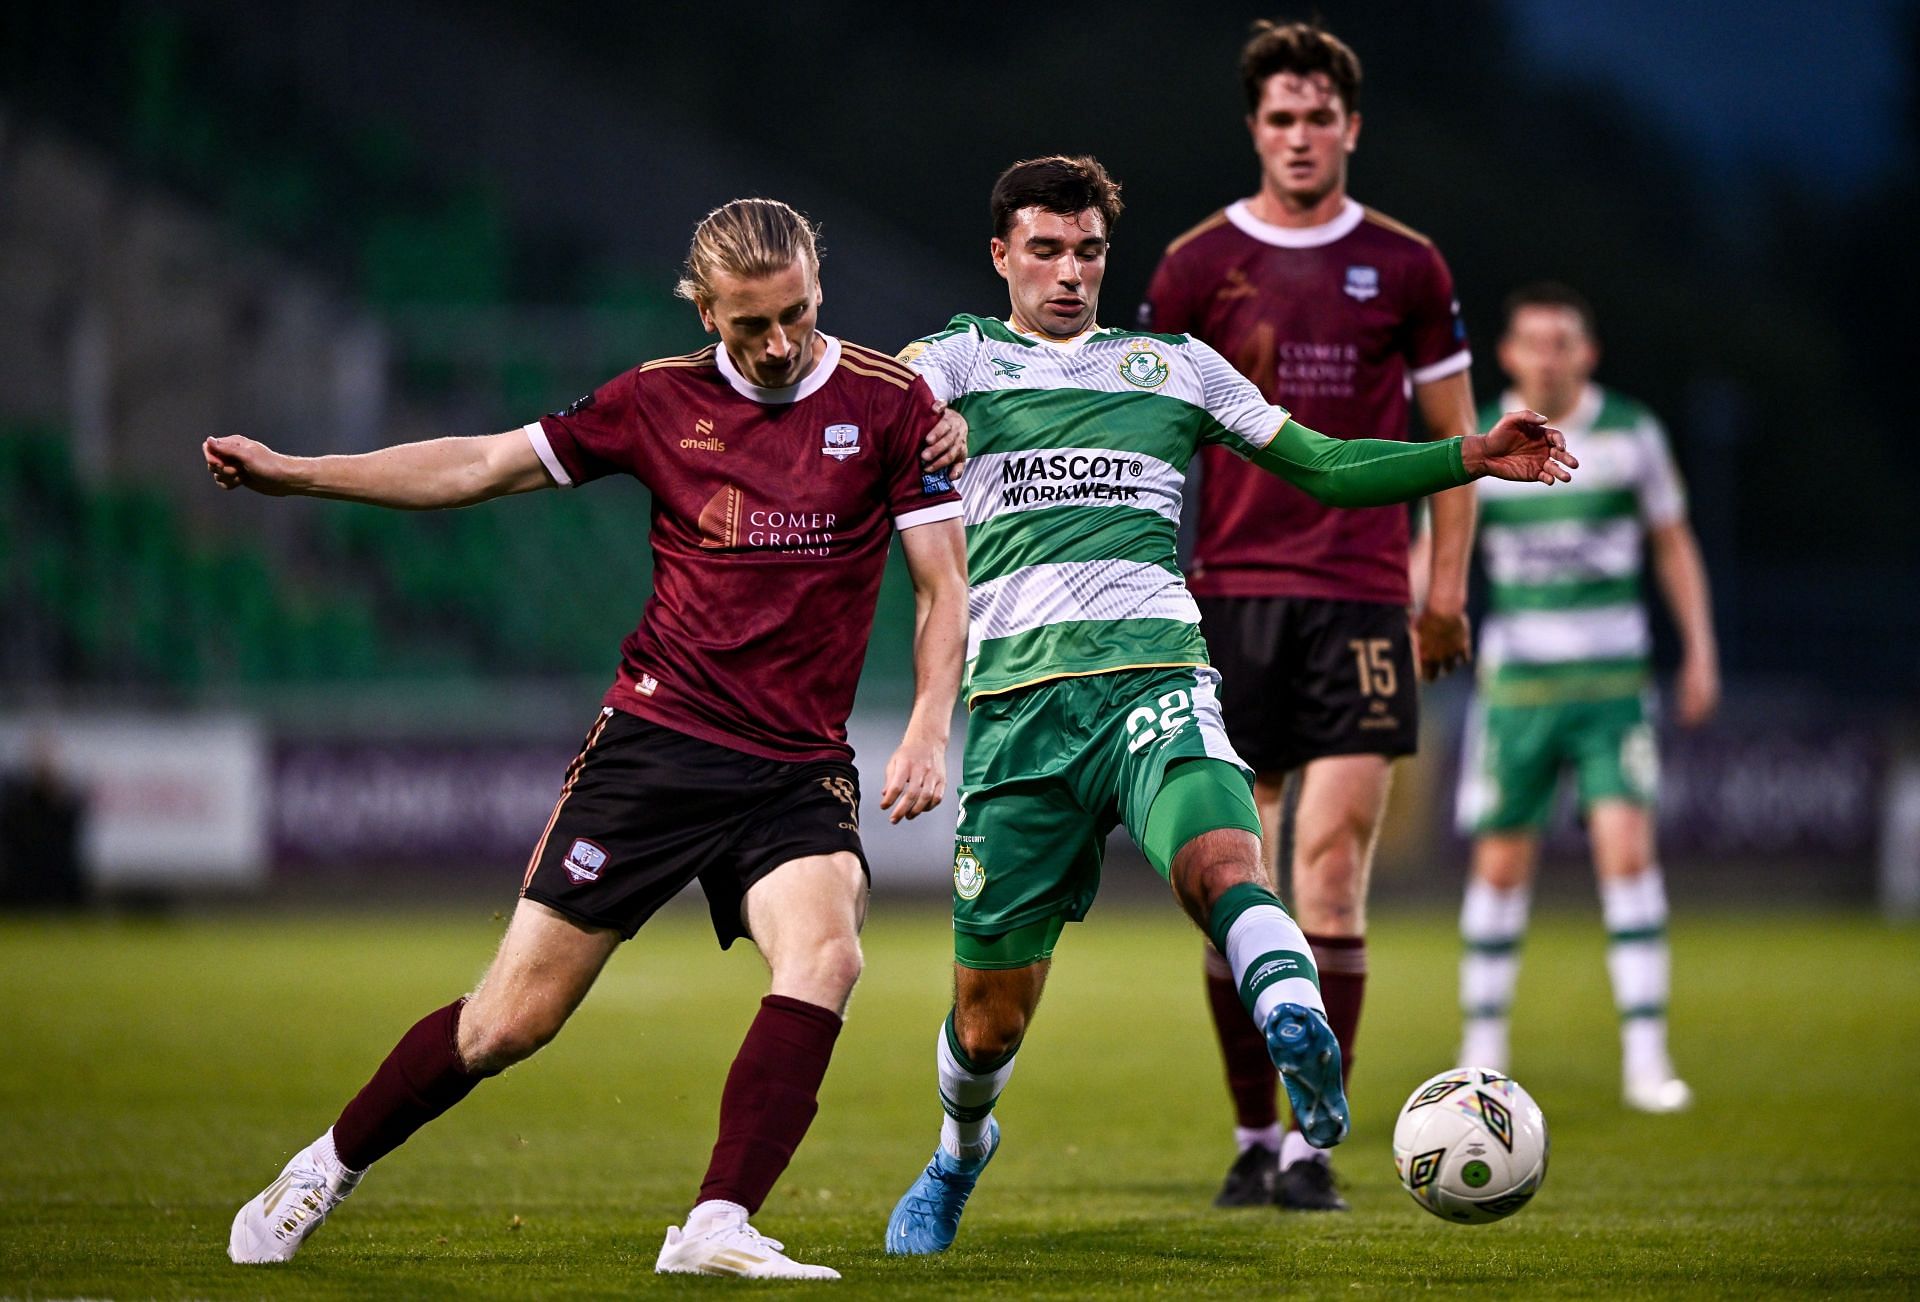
(937, 561)
(1379, 472)
(409, 476)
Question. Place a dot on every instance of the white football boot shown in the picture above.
(272, 1226)
(732, 1247)
(1656, 1091)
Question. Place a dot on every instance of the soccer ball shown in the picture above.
(1471, 1146)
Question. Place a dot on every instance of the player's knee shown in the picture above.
(989, 1036)
(826, 967)
(492, 1044)
(1212, 864)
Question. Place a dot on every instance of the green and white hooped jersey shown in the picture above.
(1078, 451)
(1566, 617)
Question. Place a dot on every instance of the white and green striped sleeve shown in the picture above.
(1242, 420)
(943, 360)
(1662, 493)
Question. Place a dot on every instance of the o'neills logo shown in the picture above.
(703, 440)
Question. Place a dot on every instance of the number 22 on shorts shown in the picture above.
(1176, 707)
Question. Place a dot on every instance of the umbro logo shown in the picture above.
(1006, 369)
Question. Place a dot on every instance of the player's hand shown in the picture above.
(946, 447)
(236, 462)
(1698, 690)
(916, 779)
(1521, 447)
(1442, 641)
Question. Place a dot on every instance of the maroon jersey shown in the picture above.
(772, 513)
(1335, 323)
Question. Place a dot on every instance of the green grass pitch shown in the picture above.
(155, 1074)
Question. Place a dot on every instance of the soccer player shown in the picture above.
(1338, 314)
(1563, 680)
(781, 462)
(1091, 698)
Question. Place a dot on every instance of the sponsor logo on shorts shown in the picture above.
(842, 790)
(585, 860)
(969, 874)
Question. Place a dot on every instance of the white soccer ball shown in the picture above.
(1471, 1146)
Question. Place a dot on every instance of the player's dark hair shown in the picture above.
(1302, 49)
(747, 238)
(1058, 184)
(1551, 293)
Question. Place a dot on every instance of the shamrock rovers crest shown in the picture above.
(969, 876)
(1142, 367)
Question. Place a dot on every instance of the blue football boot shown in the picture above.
(927, 1217)
(1302, 1046)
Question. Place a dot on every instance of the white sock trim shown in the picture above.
(1267, 1137)
(1265, 929)
(713, 1213)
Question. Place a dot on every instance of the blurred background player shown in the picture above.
(1563, 683)
(721, 749)
(1090, 696)
(1337, 313)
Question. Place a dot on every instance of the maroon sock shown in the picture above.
(1342, 961)
(419, 1080)
(1251, 1078)
(770, 1099)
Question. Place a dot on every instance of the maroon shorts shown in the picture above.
(1303, 678)
(645, 810)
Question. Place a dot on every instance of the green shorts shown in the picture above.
(1515, 755)
(1051, 769)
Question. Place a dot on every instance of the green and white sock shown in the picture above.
(968, 1091)
(1270, 959)
(1493, 922)
(1635, 909)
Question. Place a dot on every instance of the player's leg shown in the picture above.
(1245, 640)
(1509, 774)
(1633, 901)
(1618, 778)
(1199, 831)
(805, 918)
(544, 967)
(1251, 1080)
(1493, 923)
(1184, 794)
(1336, 825)
(974, 1055)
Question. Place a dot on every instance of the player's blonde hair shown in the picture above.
(747, 238)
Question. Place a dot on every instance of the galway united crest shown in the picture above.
(1142, 367)
(969, 875)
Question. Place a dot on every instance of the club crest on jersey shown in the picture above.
(842, 441)
(1142, 367)
(969, 874)
(1363, 283)
(585, 860)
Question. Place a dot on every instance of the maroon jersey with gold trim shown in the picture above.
(1335, 323)
(772, 513)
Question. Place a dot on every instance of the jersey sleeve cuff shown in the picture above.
(1446, 366)
(537, 435)
(926, 515)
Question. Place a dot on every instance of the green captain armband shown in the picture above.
(1361, 472)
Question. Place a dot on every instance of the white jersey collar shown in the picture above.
(1058, 345)
(815, 379)
(1240, 213)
